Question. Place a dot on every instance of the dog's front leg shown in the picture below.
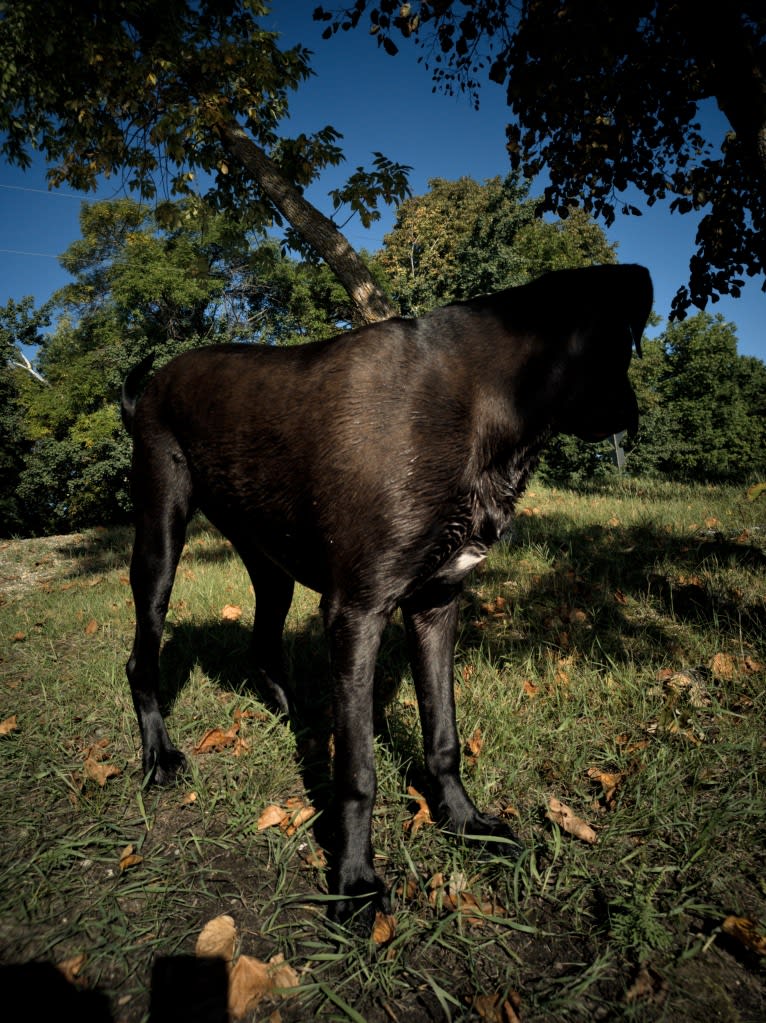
(354, 641)
(430, 620)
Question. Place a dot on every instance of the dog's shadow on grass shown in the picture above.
(222, 651)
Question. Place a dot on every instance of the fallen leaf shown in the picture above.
(272, 817)
(455, 897)
(100, 772)
(91, 628)
(289, 818)
(648, 986)
(473, 747)
(314, 859)
(9, 725)
(248, 983)
(129, 859)
(71, 967)
(746, 932)
(189, 798)
(723, 666)
(215, 739)
(231, 613)
(218, 938)
(711, 522)
(19, 637)
(298, 818)
(620, 597)
(384, 929)
(494, 1010)
(609, 781)
(566, 819)
(423, 814)
(529, 687)
(250, 980)
(283, 976)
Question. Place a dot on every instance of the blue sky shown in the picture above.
(377, 103)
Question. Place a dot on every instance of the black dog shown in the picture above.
(376, 468)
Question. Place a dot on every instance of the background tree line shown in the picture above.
(146, 282)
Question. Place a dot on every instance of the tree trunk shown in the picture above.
(316, 229)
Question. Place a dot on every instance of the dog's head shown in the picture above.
(608, 307)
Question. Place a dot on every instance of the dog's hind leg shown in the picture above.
(162, 502)
(273, 590)
(430, 620)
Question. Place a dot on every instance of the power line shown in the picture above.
(18, 252)
(45, 191)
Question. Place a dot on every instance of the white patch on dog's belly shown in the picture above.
(462, 563)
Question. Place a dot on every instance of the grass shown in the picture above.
(611, 657)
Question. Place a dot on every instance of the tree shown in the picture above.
(169, 94)
(20, 325)
(606, 95)
(464, 238)
(142, 288)
(701, 406)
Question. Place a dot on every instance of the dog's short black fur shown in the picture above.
(376, 468)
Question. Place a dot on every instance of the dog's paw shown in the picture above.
(357, 908)
(164, 768)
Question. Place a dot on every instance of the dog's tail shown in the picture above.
(130, 391)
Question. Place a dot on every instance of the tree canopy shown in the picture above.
(465, 238)
(178, 97)
(142, 285)
(604, 96)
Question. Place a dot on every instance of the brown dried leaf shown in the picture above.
(456, 898)
(129, 859)
(491, 1009)
(746, 932)
(609, 781)
(218, 939)
(99, 772)
(71, 967)
(215, 739)
(9, 725)
(298, 818)
(723, 666)
(91, 628)
(272, 817)
(473, 747)
(189, 798)
(251, 980)
(423, 815)
(231, 613)
(567, 820)
(248, 983)
(648, 986)
(283, 976)
(384, 929)
(314, 859)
